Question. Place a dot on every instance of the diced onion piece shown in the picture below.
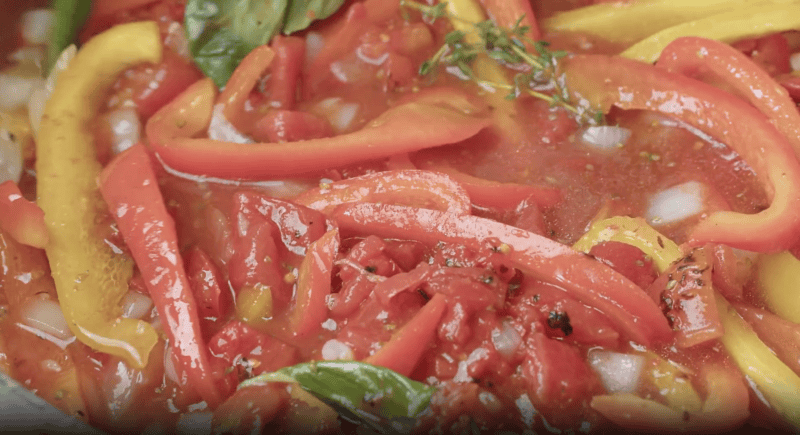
(794, 60)
(221, 129)
(335, 350)
(32, 54)
(10, 157)
(676, 203)
(126, 128)
(15, 90)
(314, 45)
(619, 372)
(40, 95)
(45, 315)
(37, 26)
(136, 305)
(176, 40)
(605, 137)
(506, 340)
(339, 113)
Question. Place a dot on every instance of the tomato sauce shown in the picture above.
(513, 348)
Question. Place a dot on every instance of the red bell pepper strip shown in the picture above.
(314, 284)
(611, 81)
(507, 13)
(591, 282)
(404, 128)
(289, 54)
(403, 351)
(403, 187)
(20, 218)
(242, 81)
(489, 193)
(717, 63)
(129, 187)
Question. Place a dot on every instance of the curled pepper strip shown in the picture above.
(634, 232)
(743, 22)
(130, 188)
(90, 278)
(607, 81)
(403, 187)
(716, 62)
(591, 282)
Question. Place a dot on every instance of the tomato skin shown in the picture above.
(151, 87)
(627, 260)
(20, 218)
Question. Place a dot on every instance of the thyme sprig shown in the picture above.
(537, 73)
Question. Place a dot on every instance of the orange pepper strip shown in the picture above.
(403, 351)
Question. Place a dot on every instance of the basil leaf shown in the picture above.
(375, 397)
(302, 12)
(222, 32)
(70, 16)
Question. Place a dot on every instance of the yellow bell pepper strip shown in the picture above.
(631, 21)
(612, 81)
(403, 187)
(464, 14)
(129, 186)
(718, 63)
(634, 232)
(776, 382)
(22, 219)
(90, 278)
(739, 23)
(627, 306)
(779, 282)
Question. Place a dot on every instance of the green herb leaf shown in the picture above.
(222, 32)
(375, 397)
(70, 16)
(302, 12)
